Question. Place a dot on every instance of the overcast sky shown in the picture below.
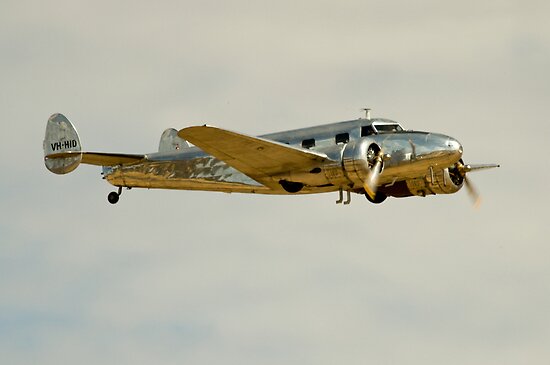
(172, 277)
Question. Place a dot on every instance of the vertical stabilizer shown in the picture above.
(61, 137)
(170, 142)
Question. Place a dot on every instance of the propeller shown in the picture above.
(371, 183)
(470, 188)
(472, 192)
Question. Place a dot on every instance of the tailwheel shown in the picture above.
(378, 198)
(114, 196)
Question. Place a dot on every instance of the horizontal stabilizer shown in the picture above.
(99, 158)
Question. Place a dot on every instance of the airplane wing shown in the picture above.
(258, 158)
(99, 158)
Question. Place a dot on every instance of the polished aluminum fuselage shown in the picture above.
(416, 159)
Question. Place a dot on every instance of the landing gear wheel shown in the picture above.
(379, 198)
(113, 197)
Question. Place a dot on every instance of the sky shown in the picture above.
(172, 277)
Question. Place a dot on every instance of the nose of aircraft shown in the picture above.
(454, 147)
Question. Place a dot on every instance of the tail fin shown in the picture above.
(61, 136)
(170, 141)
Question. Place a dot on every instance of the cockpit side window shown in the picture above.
(367, 131)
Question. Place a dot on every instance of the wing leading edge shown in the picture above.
(258, 158)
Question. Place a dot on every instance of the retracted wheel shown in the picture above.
(113, 197)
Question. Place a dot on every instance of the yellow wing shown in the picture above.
(258, 158)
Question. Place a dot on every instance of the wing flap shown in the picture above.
(99, 158)
(258, 158)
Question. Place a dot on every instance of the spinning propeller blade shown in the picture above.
(472, 191)
(371, 184)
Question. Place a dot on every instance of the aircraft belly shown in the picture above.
(205, 174)
(198, 174)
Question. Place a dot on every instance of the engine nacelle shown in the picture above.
(445, 181)
(358, 159)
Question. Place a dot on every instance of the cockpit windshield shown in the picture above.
(387, 128)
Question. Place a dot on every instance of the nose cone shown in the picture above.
(454, 147)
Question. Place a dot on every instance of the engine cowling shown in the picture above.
(443, 181)
(359, 159)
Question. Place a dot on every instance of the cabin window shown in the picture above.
(308, 143)
(367, 131)
(342, 138)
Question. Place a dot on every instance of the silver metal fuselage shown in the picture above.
(415, 163)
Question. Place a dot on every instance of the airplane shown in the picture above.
(374, 157)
